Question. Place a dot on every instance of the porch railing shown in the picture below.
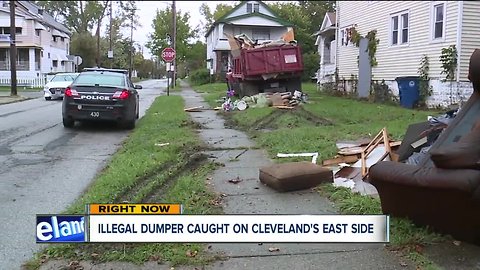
(21, 65)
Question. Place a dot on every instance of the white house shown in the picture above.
(407, 30)
(253, 18)
(327, 45)
(43, 44)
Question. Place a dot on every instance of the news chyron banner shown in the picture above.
(166, 223)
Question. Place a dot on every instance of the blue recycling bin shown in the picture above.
(408, 88)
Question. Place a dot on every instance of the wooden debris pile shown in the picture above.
(354, 158)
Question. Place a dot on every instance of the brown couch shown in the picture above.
(443, 191)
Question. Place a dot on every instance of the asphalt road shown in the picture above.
(46, 167)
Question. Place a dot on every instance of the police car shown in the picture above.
(101, 94)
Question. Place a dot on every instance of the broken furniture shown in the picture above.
(443, 190)
(294, 176)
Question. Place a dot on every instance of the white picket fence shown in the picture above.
(24, 82)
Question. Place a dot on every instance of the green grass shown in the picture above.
(212, 92)
(142, 172)
(350, 119)
(20, 89)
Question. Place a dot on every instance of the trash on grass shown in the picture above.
(313, 155)
(194, 109)
(235, 180)
(162, 144)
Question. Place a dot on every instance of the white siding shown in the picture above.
(275, 32)
(243, 10)
(470, 31)
(256, 21)
(399, 60)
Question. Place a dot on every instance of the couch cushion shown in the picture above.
(465, 154)
(294, 176)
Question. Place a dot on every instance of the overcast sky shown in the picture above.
(147, 11)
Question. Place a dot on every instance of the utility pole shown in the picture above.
(131, 45)
(111, 45)
(13, 51)
(174, 63)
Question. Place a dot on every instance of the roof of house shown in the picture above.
(226, 19)
(332, 18)
(44, 17)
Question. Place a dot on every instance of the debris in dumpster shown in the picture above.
(313, 155)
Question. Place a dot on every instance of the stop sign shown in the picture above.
(168, 54)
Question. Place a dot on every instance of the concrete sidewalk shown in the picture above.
(234, 149)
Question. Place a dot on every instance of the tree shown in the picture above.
(196, 55)
(316, 11)
(162, 28)
(210, 18)
(83, 44)
(80, 16)
(307, 16)
(85, 16)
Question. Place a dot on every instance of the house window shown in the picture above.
(54, 63)
(54, 38)
(62, 39)
(37, 32)
(6, 30)
(253, 7)
(438, 22)
(346, 36)
(48, 55)
(261, 34)
(399, 28)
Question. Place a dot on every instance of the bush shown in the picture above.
(200, 76)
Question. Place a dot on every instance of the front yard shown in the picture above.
(316, 127)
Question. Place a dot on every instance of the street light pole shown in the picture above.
(13, 51)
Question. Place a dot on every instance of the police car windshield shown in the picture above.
(100, 80)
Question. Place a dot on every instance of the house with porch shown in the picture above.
(43, 44)
(326, 44)
(406, 31)
(253, 18)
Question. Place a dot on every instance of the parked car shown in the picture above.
(101, 94)
(55, 88)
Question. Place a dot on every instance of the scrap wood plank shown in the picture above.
(340, 159)
(382, 135)
(283, 107)
(355, 150)
(193, 109)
